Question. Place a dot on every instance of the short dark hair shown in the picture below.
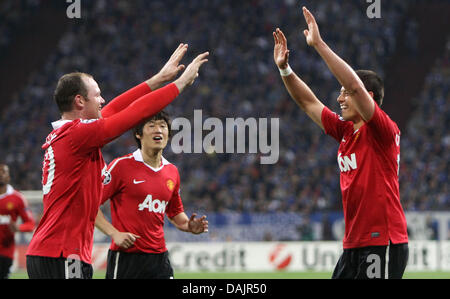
(372, 82)
(162, 115)
(68, 87)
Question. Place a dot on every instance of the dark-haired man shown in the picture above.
(12, 206)
(368, 158)
(73, 166)
(143, 187)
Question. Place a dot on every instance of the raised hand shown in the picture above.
(312, 34)
(191, 72)
(172, 67)
(198, 225)
(280, 51)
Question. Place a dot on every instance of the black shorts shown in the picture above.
(123, 265)
(5, 266)
(40, 267)
(370, 262)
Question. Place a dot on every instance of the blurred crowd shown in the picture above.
(425, 167)
(12, 14)
(122, 43)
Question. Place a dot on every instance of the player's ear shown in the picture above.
(371, 94)
(137, 136)
(78, 102)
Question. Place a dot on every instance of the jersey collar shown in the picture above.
(138, 157)
(59, 123)
(9, 191)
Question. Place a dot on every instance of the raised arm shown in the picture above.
(168, 73)
(299, 91)
(170, 70)
(151, 103)
(346, 76)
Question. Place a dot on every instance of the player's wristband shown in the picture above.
(286, 72)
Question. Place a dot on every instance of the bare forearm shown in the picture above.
(349, 80)
(298, 90)
(104, 225)
(181, 224)
(340, 69)
(304, 97)
(155, 82)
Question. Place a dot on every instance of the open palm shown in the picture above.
(280, 51)
(312, 34)
(198, 225)
(172, 67)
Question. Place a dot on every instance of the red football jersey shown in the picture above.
(72, 185)
(368, 159)
(12, 206)
(140, 196)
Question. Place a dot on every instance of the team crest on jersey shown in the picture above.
(9, 206)
(170, 184)
(357, 136)
(107, 178)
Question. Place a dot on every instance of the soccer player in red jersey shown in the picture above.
(142, 187)
(12, 206)
(73, 167)
(368, 158)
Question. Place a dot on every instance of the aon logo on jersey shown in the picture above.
(345, 163)
(153, 205)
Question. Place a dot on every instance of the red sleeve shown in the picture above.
(175, 205)
(25, 214)
(333, 124)
(87, 134)
(124, 100)
(144, 107)
(383, 128)
(93, 133)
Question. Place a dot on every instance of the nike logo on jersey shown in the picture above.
(137, 182)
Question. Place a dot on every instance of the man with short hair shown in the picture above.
(12, 206)
(142, 188)
(73, 166)
(368, 158)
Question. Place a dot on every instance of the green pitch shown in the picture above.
(268, 275)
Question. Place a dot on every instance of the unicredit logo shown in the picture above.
(280, 257)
